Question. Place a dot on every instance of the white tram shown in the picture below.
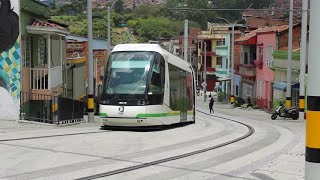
(146, 85)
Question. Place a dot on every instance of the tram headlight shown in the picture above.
(105, 101)
(141, 102)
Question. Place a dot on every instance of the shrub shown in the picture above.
(239, 102)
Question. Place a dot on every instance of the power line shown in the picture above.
(227, 9)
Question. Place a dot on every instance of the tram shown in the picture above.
(145, 85)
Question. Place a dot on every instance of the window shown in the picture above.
(219, 61)
(219, 43)
(260, 53)
(157, 81)
(25, 51)
(237, 91)
(269, 56)
(128, 73)
(246, 58)
(259, 88)
(180, 89)
(42, 51)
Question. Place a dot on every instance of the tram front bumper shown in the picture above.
(130, 122)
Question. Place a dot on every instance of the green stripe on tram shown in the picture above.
(173, 113)
(103, 114)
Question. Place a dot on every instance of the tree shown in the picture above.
(118, 6)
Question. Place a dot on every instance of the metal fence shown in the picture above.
(50, 109)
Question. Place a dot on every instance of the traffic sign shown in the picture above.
(204, 84)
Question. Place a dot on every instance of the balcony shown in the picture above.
(280, 60)
(222, 50)
(222, 72)
(45, 81)
(208, 53)
(248, 71)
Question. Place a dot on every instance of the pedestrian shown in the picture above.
(211, 102)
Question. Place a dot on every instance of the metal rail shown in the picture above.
(49, 136)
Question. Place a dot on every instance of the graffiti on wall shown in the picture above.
(9, 60)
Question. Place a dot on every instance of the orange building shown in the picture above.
(77, 63)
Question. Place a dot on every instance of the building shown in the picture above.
(43, 68)
(10, 71)
(77, 65)
(256, 69)
(43, 50)
(218, 56)
(279, 65)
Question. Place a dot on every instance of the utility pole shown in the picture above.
(109, 36)
(205, 72)
(90, 96)
(190, 58)
(288, 93)
(312, 166)
(232, 67)
(109, 27)
(303, 55)
(185, 48)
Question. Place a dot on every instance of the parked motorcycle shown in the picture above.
(282, 111)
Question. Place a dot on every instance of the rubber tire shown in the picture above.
(274, 116)
(296, 117)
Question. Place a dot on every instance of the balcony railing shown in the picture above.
(283, 64)
(247, 70)
(222, 50)
(39, 77)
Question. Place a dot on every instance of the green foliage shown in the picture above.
(154, 27)
(34, 7)
(76, 7)
(221, 96)
(148, 21)
(118, 6)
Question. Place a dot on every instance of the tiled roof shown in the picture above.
(39, 23)
(262, 30)
(257, 22)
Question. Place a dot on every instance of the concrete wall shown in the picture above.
(10, 78)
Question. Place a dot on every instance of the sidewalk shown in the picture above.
(288, 165)
(16, 125)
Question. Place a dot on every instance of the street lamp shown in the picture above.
(232, 57)
(109, 38)
(204, 83)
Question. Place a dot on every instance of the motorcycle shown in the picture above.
(282, 111)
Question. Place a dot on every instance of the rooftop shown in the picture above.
(262, 30)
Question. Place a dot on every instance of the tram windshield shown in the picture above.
(128, 73)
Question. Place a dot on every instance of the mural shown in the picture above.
(9, 60)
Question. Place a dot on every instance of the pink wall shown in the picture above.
(265, 74)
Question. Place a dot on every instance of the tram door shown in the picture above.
(183, 96)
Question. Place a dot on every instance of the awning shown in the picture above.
(283, 86)
(280, 85)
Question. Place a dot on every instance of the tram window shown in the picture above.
(156, 86)
(129, 72)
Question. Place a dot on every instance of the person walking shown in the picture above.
(211, 102)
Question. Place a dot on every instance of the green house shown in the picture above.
(42, 50)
